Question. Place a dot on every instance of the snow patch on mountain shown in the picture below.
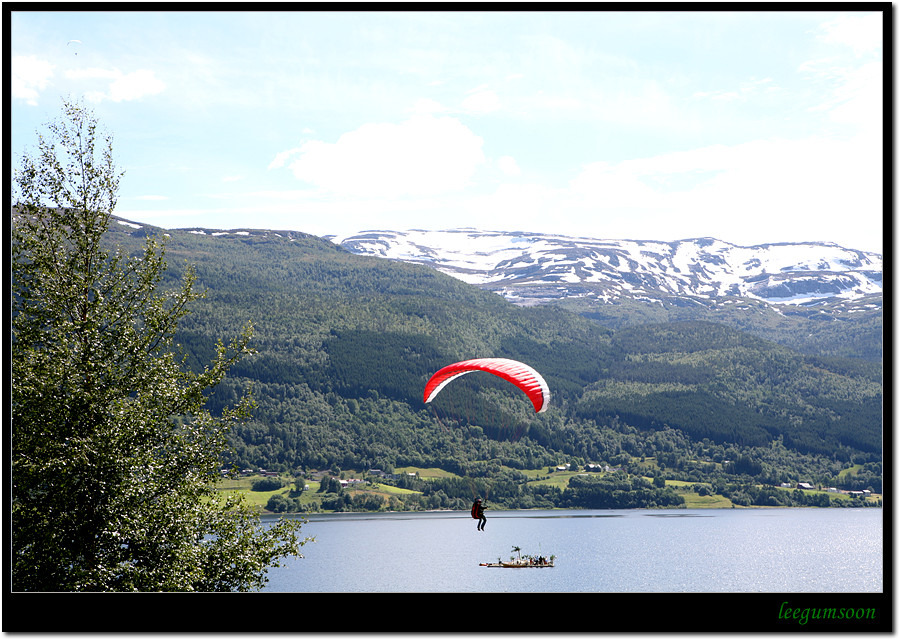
(523, 266)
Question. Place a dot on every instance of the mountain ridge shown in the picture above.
(824, 325)
(529, 268)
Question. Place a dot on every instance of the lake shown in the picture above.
(629, 570)
(715, 570)
(627, 551)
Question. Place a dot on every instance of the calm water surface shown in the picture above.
(713, 550)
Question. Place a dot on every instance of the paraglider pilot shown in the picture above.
(478, 513)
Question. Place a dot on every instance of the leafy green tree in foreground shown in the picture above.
(113, 453)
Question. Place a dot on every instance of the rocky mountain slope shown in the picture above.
(820, 299)
(528, 267)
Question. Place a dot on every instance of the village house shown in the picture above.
(378, 473)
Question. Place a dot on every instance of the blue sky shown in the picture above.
(751, 127)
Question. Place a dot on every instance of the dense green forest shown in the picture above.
(345, 344)
(842, 328)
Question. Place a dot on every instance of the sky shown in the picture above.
(749, 127)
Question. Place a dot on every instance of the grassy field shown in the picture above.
(558, 479)
(259, 499)
(431, 472)
(244, 486)
(693, 500)
(850, 471)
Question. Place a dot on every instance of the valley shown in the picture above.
(345, 342)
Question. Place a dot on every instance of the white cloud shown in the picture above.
(284, 195)
(135, 85)
(427, 105)
(29, 76)
(762, 190)
(554, 103)
(862, 33)
(481, 101)
(525, 207)
(859, 99)
(854, 92)
(747, 90)
(424, 155)
(123, 86)
(508, 165)
(282, 157)
(93, 72)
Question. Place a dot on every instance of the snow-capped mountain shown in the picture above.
(531, 267)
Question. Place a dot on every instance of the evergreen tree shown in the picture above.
(113, 453)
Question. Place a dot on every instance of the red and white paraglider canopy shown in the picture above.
(518, 373)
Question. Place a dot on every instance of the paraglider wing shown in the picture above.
(518, 373)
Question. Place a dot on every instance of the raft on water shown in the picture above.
(522, 563)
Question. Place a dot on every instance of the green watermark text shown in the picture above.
(805, 615)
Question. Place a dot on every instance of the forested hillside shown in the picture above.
(345, 344)
(835, 328)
